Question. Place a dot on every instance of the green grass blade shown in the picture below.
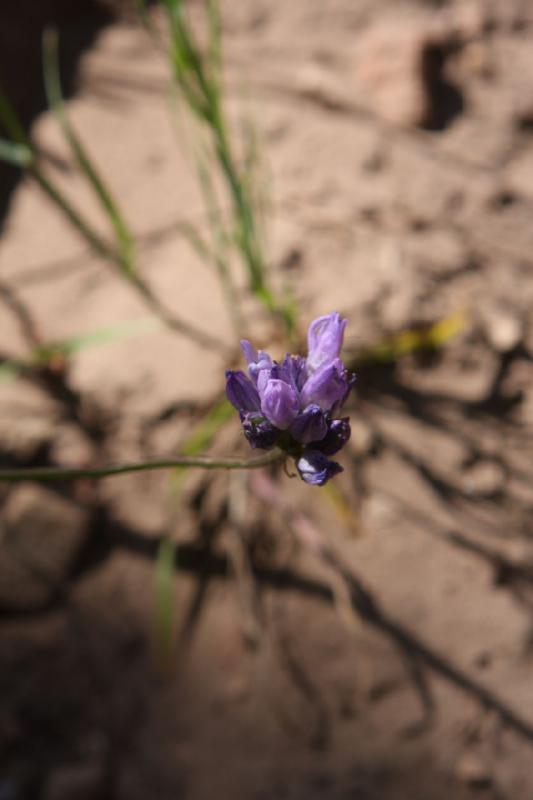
(113, 333)
(15, 153)
(198, 77)
(97, 338)
(27, 159)
(94, 240)
(125, 241)
(42, 355)
(221, 242)
(215, 40)
(10, 121)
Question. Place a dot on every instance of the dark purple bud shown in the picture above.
(241, 392)
(256, 361)
(315, 468)
(324, 340)
(336, 437)
(279, 403)
(326, 387)
(310, 425)
(258, 430)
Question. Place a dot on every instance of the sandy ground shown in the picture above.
(398, 153)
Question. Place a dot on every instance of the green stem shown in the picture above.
(11, 122)
(76, 220)
(55, 101)
(205, 462)
(241, 206)
(219, 256)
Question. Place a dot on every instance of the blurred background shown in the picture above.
(246, 637)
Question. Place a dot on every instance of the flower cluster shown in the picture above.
(294, 405)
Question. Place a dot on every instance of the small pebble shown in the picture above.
(472, 772)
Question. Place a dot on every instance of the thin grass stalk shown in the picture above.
(9, 119)
(93, 239)
(202, 91)
(216, 255)
(11, 122)
(215, 39)
(14, 128)
(124, 238)
(220, 245)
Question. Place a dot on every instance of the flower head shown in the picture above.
(293, 404)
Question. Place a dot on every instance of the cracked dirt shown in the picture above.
(398, 149)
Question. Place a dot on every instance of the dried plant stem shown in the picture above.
(20, 152)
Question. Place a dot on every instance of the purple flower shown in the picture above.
(293, 404)
(314, 468)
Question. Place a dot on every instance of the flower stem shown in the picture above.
(205, 462)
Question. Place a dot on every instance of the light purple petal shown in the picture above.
(257, 361)
(262, 380)
(249, 351)
(326, 387)
(324, 340)
(279, 403)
